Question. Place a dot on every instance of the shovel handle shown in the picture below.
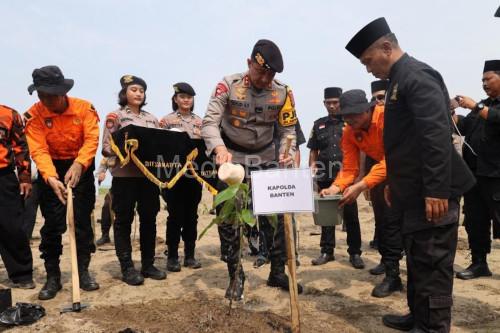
(70, 220)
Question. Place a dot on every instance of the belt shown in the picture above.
(234, 146)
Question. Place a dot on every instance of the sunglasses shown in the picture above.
(380, 97)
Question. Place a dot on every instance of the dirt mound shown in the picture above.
(193, 314)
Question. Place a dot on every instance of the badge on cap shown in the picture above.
(260, 60)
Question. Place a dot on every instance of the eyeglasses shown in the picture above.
(380, 97)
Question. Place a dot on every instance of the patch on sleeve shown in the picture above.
(27, 117)
(220, 89)
(111, 120)
(288, 116)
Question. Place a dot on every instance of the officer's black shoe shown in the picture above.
(356, 261)
(87, 282)
(50, 288)
(416, 330)
(280, 280)
(389, 285)
(103, 240)
(132, 277)
(378, 270)
(260, 261)
(475, 270)
(173, 265)
(402, 323)
(192, 263)
(153, 273)
(323, 259)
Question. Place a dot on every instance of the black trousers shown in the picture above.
(351, 220)
(14, 244)
(30, 209)
(182, 221)
(387, 228)
(430, 254)
(481, 206)
(106, 214)
(127, 192)
(54, 213)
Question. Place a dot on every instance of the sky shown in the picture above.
(199, 42)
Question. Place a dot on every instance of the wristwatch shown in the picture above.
(479, 106)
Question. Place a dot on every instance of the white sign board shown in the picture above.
(282, 191)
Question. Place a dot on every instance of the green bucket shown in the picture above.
(328, 213)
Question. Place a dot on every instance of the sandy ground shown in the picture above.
(336, 296)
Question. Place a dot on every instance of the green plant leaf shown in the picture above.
(228, 211)
(244, 187)
(273, 221)
(216, 220)
(225, 195)
(247, 217)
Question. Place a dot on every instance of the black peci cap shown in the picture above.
(367, 36)
(128, 80)
(354, 102)
(333, 92)
(268, 55)
(184, 88)
(379, 85)
(50, 80)
(491, 66)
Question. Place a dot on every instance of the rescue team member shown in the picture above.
(378, 89)
(14, 243)
(63, 134)
(481, 128)
(130, 187)
(325, 159)
(106, 213)
(364, 133)
(183, 199)
(424, 173)
(239, 127)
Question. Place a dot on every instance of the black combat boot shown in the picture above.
(238, 283)
(148, 269)
(129, 274)
(53, 283)
(378, 270)
(278, 278)
(173, 264)
(189, 259)
(103, 240)
(478, 268)
(87, 282)
(323, 259)
(402, 323)
(391, 282)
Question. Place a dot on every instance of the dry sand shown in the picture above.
(336, 296)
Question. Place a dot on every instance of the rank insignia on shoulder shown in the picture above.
(321, 126)
(48, 122)
(394, 94)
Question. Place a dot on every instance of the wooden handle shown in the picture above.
(289, 140)
(70, 220)
(292, 277)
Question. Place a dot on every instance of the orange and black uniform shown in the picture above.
(55, 142)
(371, 142)
(325, 137)
(14, 244)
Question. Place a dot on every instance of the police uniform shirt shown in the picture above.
(119, 119)
(483, 135)
(326, 136)
(190, 124)
(242, 118)
(421, 161)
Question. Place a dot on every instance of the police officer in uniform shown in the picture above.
(130, 187)
(325, 158)
(14, 243)
(481, 128)
(425, 174)
(239, 127)
(183, 199)
(63, 134)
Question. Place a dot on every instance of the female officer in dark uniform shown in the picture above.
(183, 199)
(130, 187)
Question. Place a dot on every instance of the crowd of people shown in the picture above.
(396, 148)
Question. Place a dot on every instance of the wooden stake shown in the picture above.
(70, 219)
(290, 248)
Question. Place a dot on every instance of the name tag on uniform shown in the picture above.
(321, 126)
(259, 109)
